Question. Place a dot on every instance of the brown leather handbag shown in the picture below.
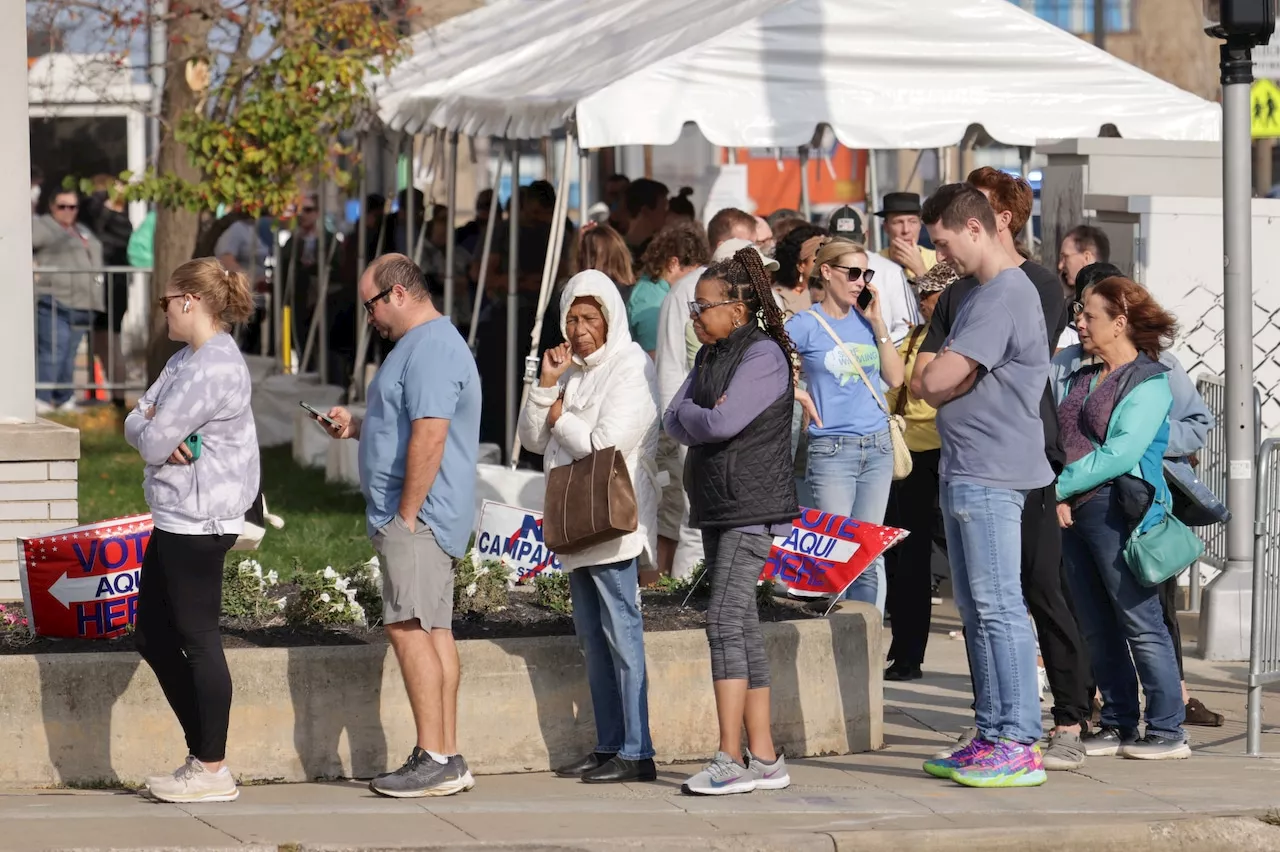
(589, 502)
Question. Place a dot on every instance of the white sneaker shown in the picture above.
(966, 736)
(769, 776)
(160, 779)
(723, 776)
(43, 408)
(69, 407)
(195, 783)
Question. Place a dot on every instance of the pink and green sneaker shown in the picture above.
(942, 767)
(1007, 764)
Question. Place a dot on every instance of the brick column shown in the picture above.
(38, 489)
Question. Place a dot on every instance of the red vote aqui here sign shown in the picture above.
(825, 552)
(82, 583)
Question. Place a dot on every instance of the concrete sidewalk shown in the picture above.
(871, 801)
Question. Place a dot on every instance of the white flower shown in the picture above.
(483, 569)
(324, 597)
(341, 584)
(329, 573)
(280, 602)
(337, 608)
(272, 577)
(470, 590)
(358, 612)
(351, 595)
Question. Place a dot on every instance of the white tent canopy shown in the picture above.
(508, 48)
(880, 79)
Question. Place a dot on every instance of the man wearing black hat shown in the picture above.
(901, 216)
(900, 306)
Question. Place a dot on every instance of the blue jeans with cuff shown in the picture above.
(851, 476)
(606, 617)
(984, 547)
(59, 330)
(1122, 622)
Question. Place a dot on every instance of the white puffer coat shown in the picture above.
(610, 400)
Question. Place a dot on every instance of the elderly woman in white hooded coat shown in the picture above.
(599, 390)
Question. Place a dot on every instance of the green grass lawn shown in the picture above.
(323, 524)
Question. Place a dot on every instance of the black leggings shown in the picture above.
(734, 560)
(179, 601)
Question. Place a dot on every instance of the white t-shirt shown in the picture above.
(1070, 337)
(899, 304)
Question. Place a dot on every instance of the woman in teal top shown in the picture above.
(1115, 428)
(673, 253)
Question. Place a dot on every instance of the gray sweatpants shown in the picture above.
(734, 562)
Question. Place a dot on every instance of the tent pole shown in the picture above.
(513, 283)
(584, 176)
(322, 283)
(806, 207)
(873, 193)
(484, 258)
(450, 238)
(408, 203)
(355, 389)
(550, 269)
(1028, 232)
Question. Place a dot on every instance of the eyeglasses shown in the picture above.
(855, 273)
(164, 301)
(385, 294)
(696, 308)
(66, 206)
(1076, 308)
(308, 209)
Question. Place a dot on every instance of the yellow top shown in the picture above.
(930, 260)
(922, 431)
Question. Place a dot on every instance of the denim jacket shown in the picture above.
(1136, 440)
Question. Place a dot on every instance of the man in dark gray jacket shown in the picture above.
(65, 300)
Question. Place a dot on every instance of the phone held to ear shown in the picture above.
(864, 299)
(194, 444)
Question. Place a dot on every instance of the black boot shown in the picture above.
(619, 770)
(581, 767)
(900, 672)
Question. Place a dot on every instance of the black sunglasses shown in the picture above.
(67, 206)
(385, 294)
(696, 308)
(855, 273)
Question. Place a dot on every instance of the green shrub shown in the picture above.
(481, 585)
(326, 599)
(551, 591)
(246, 591)
(765, 594)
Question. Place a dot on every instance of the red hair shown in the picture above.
(1151, 328)
(1008, 194)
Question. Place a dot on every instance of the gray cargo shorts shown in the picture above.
(417, 576)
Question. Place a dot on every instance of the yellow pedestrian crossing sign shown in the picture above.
(1264, 101)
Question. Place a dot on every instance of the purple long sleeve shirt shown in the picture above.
(760, 379)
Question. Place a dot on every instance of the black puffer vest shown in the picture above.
(750, 478)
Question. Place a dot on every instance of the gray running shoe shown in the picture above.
(1064, 752)
(459, 763)
(1106, 741)
(967, 736)
(422, 776)
(161, 779)
(194, 783)
(769, 776)
(1153, 747)
(723, 776)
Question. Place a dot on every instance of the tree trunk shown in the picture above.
(176, 229)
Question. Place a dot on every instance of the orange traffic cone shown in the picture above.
(99, 379)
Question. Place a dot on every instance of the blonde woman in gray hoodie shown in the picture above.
(195, 431)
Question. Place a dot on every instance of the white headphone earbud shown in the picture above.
(186, 305)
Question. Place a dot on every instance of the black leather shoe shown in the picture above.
(578, 768)
(901, 673)
(618, 770)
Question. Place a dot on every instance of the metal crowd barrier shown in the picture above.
(106, 345)
(1264, 630)
(1213, 473)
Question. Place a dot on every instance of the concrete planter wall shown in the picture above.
(305, 713)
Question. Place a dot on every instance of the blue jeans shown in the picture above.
(606, 617)
(851, 476)
(984, 546)
(58, 335)
(1119, 617)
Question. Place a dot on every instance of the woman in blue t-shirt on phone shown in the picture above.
(850, 465)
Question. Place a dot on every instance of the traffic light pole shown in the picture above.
(1227, 600)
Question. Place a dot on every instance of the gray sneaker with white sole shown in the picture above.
(769, 776)
(1064, 752)
(722, 776)
(1155, 747)
(422, 776)
(967, 736)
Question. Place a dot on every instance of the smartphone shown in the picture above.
(194, 444)
(319, 415)
(864, 299)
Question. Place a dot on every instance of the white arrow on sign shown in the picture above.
(69, 590)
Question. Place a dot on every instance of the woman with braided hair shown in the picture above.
(734, 414)
(850, 466)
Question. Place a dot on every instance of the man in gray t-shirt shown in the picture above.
(986, 384)
(992, 435)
